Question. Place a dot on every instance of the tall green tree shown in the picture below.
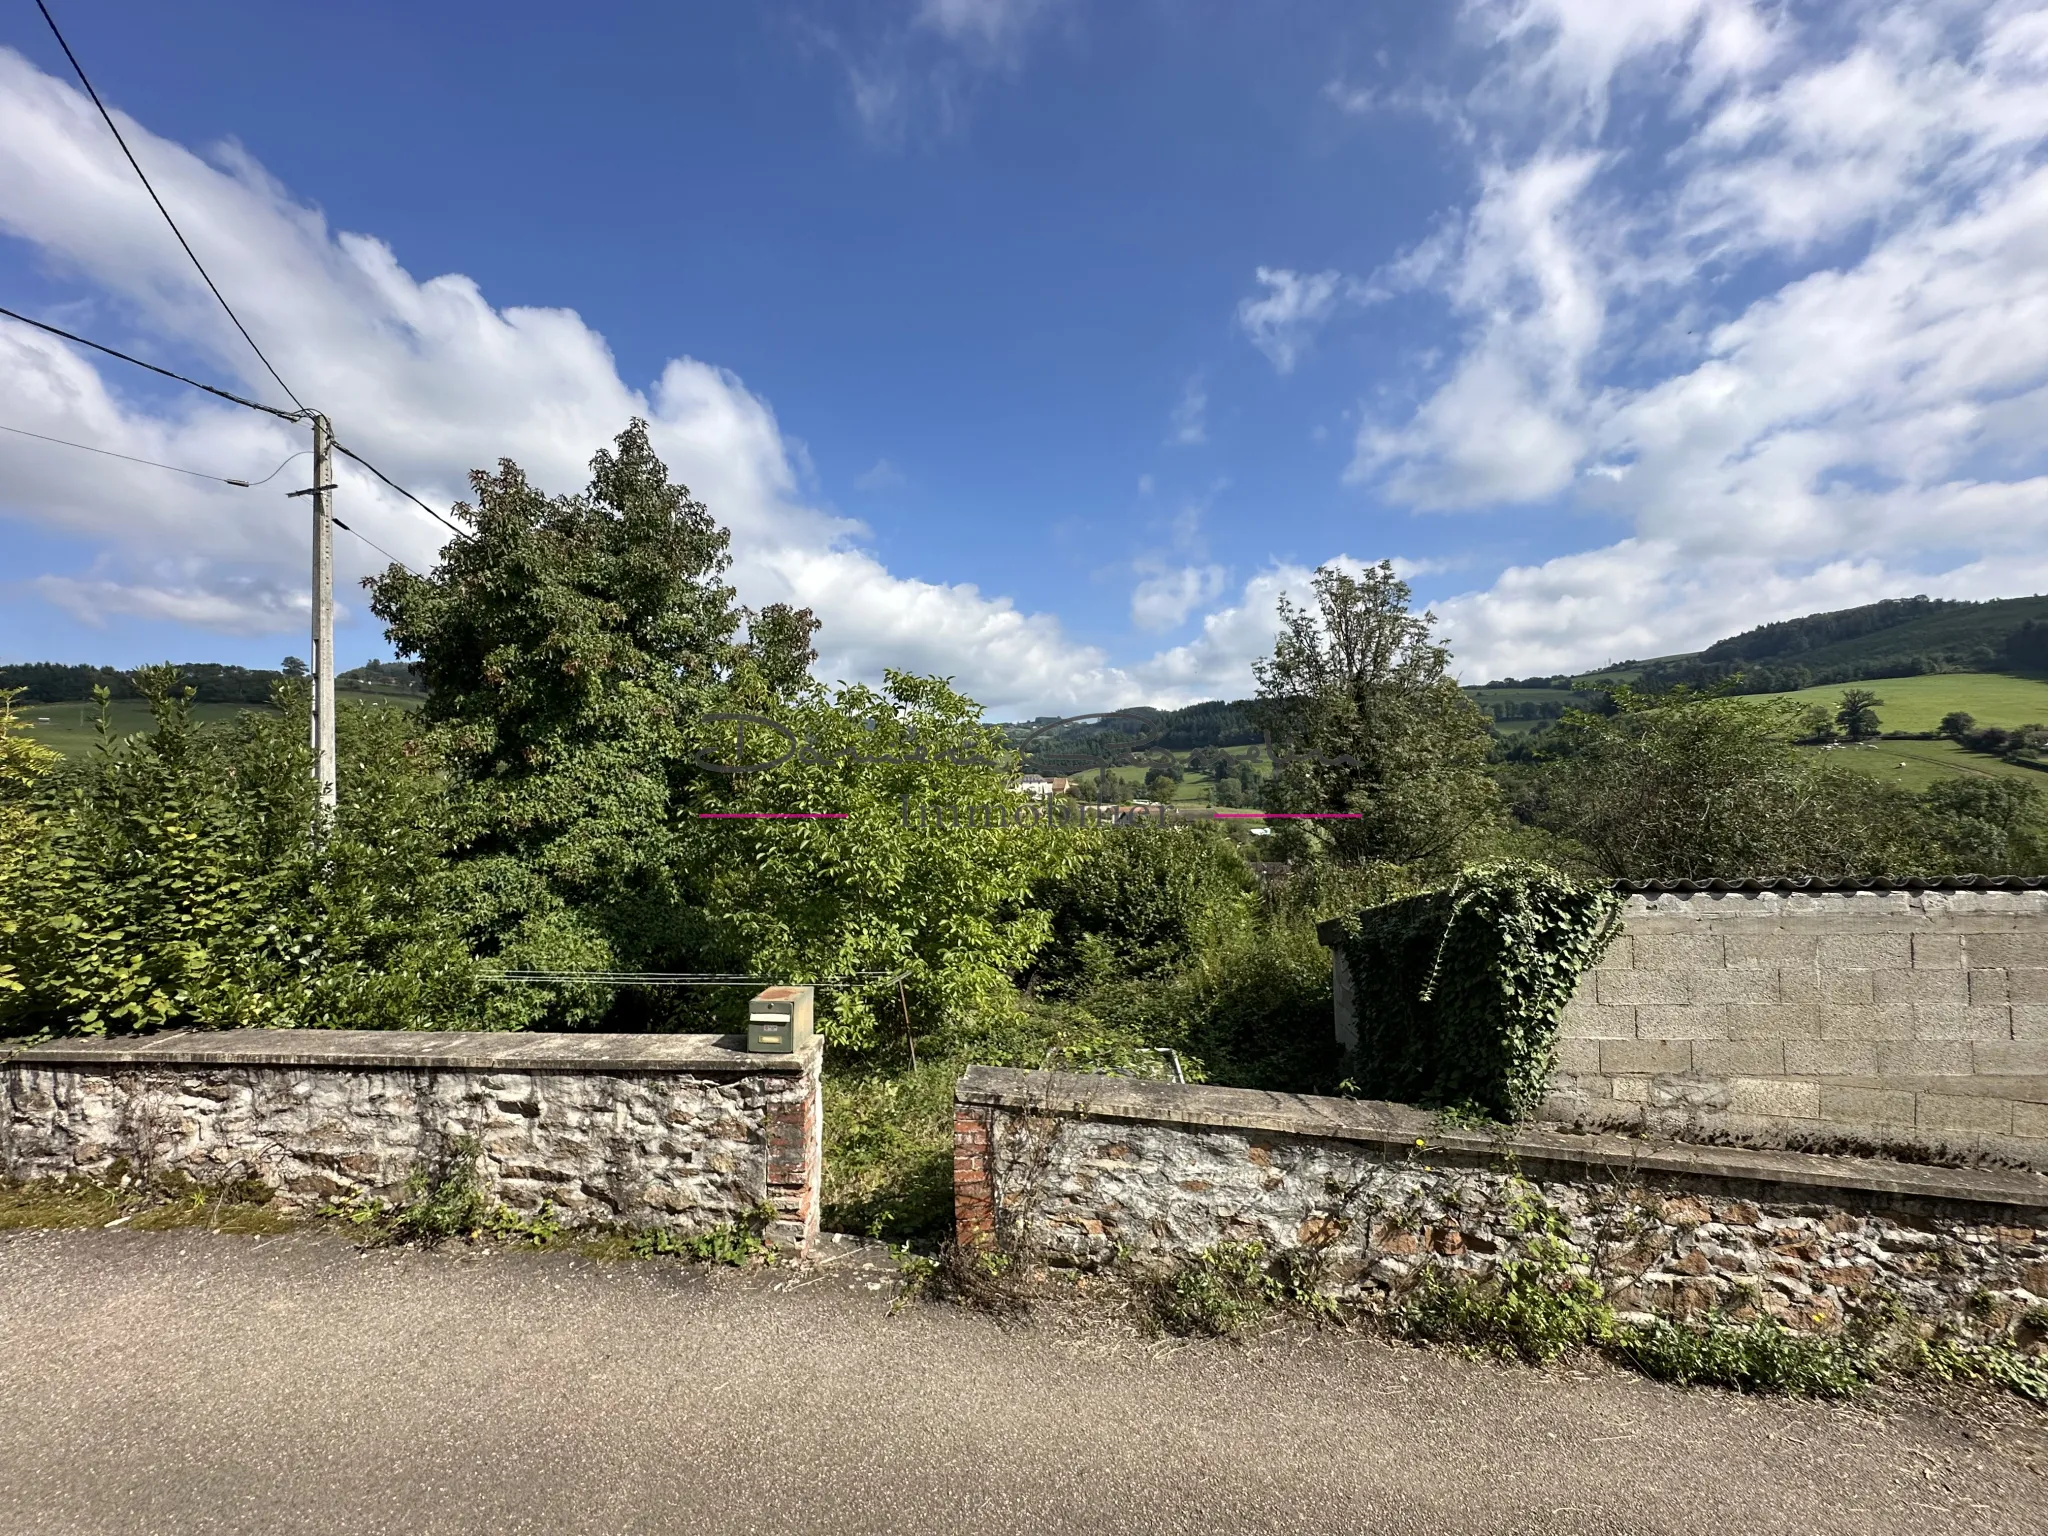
(1856, 714)
(568, 645)
(1366, 718)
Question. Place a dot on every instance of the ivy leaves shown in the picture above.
(1457, 990)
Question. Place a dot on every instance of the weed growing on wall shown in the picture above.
(737, 1243)
(1235, 1286)
(1535, 1308)
(1458, 990)
(1763, 1356)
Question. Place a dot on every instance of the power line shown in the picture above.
(200, 474)
(268, 410)
(408, 495)
(344, 527)
(197, 474)
(79, 70)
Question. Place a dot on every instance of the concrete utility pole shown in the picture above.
(323, 613)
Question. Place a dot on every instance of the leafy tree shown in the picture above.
(1958, 723)
(1816, 727)
(1160, 784)
(1366, 718)
(928, 867)
(1683, 786)
(293, 667)
(171, 880)
(568, 643)
(1857, 713)
(1985, 825)
(23, 838)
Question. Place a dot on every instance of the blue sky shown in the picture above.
(1047, 344)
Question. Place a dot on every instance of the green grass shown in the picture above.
(1915, 765)
(68, 728)
(1918, 703)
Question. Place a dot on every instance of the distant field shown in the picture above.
(1918, 703)
(68, 728)
(1915, 765)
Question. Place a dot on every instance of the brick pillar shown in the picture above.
(796, 1162)
(974, 1206)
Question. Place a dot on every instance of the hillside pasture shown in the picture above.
(69, 728)
(1918, 703)
(1915, 765)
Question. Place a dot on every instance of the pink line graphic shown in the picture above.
(772, 815)
(1289, 815)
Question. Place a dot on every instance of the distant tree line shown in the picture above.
(1557, 680)
(211, 682)
(1933, 635)
(1525, 709)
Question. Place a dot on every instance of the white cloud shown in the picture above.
(987, 24)
(880, 476)
(1793, 331)
(917, 75)
(1168, 594)
(1189, 423)
(425, 377)
(1282, 321)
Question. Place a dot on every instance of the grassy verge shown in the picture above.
(142, 1206)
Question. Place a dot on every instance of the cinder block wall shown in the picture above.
(1910, 1017)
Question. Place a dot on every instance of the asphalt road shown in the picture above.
(183, 1382)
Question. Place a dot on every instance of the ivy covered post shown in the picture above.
(1455, 993)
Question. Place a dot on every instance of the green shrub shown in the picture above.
(1457, 990)
(171, 879)
(444, 1197)
(735, 1243)
(1132, 902)
(1763, 1356)
(1535, 1308)
(1232, 1287)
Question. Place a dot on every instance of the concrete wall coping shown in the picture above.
(427, 1050)
(1403, 1130)
(1914, 902)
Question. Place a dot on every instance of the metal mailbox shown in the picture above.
(779, 1020)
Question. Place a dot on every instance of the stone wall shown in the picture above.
(1911, 1018)
(685, 1132)
(1086, 1170)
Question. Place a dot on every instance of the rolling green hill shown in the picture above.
(1916, 765)
(1900, 637)
(1918, 703)
(68, 728)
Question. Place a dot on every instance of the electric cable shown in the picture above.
(79, 70)
(197, 474)
(408, 495)
(344, 527)
(268, 410)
